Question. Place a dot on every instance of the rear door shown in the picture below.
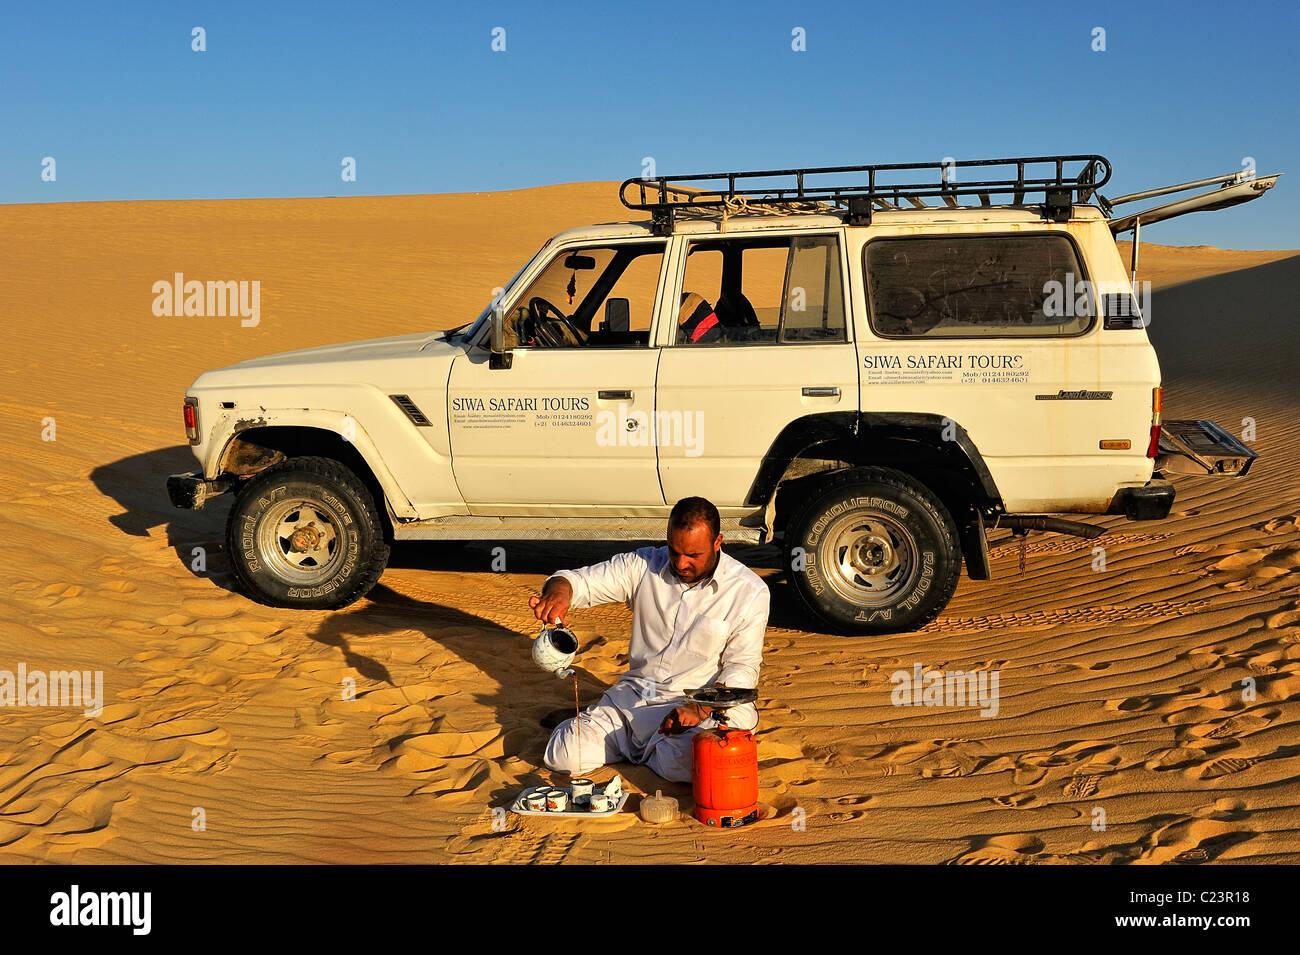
(775, 348)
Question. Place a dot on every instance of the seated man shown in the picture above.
(696, 320)
(698, 619)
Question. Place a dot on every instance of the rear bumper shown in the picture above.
(1150, 503)
(192, 490)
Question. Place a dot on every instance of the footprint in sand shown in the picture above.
(1096, 752)
(1287, 524)
(1082, 785)
(1015, 800)
(946, 758)
(853, 800)
(845, 816)
(1226, 808)
(950, 764)
(1089, 758)
(1191, 841)
(1213, 750)
(1176, 757)
(1243, 724)
(1187, 839)
(852, 808)
(1225, 766)
(780, 715)
(527, 848)
(1169, 705)
(1255, 568)
(1274, 661)
(1015, 849)
(1240, 559)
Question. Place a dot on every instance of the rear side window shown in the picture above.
(756, 290)
(977, 286)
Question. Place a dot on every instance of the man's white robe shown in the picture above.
(683, 636)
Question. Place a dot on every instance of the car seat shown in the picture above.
(697, 322)
(734, 310)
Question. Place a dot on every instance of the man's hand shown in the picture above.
(553, 604)
(683, 718)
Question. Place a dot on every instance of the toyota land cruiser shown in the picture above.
(872, 365)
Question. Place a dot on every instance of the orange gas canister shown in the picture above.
(724, 765)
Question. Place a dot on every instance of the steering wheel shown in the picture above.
(538, 308)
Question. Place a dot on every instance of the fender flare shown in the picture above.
(853, 434)
(858, 429)
(330, 422)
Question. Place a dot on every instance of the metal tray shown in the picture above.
(518, 806)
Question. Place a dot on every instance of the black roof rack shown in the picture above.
(728, 193)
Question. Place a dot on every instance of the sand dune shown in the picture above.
(1120, 690)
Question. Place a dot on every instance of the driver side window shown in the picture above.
(599, 296)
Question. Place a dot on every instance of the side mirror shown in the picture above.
(617, 315)
(499, 357)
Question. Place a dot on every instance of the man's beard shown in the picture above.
(704, 575)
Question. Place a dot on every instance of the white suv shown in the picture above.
(872, 365)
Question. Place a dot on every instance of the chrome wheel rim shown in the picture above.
(869, 559)
(301, 540)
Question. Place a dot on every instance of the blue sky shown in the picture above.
(585, 91)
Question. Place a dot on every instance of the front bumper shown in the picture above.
(1150, 503)
(192, 490)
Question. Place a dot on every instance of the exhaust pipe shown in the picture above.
(1054, 525)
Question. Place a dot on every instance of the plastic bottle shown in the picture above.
(658, 808)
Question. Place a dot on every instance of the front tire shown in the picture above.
(871, 550)
(305, 534)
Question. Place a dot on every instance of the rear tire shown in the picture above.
(871, 550)
(305, 534)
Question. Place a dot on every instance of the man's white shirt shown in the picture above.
(683, 635)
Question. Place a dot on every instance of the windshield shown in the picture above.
(470, 330)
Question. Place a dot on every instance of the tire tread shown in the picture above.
(371, 563)
(898, 480)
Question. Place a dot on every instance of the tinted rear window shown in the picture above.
(976, 286)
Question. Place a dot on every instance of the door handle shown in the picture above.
(828, 392)
(617, 394)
